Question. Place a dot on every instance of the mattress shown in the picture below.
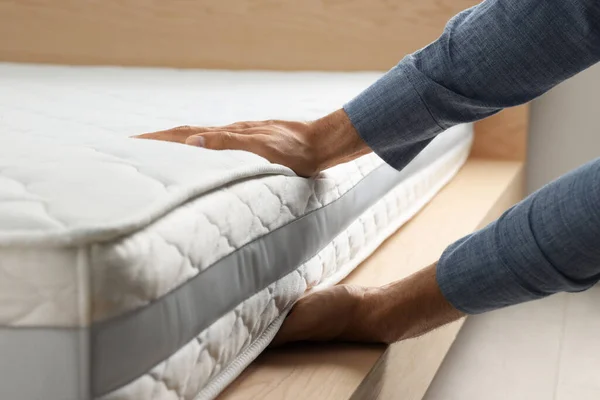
(137, 269)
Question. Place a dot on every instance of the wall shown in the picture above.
(564, 129)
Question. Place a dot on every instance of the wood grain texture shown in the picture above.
(230, 34)
(479, 193)
(503, 136)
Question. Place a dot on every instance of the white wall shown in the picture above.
(564, 128)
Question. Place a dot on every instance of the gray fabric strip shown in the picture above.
(46, 363)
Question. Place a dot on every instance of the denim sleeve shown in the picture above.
(548, 243)
(497, 54)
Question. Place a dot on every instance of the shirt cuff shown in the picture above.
(473, 280)
(391, 117)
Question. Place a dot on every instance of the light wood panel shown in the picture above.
(503, 136)
(479, 193)
(247, 34)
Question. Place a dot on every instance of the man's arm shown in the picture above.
(498, 54)
(548, 243)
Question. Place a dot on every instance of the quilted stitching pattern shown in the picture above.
(30, 295)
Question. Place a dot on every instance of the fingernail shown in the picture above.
(196, 141)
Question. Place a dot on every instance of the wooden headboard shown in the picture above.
(339, 35)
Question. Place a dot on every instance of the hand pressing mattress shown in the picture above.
(135, 269)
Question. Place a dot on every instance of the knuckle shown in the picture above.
(242, 125)
(225, 139)
(184, 128)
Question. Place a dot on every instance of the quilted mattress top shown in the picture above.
(71, 174)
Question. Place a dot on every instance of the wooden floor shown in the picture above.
(477, 195)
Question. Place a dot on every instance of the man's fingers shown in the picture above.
(181, 133)
(167, 136)
(240, 126)
(178, 135)
(222, 140)
(215, 140)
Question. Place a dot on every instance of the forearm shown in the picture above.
(336, 140)
(547, 243)
(407, 308)
(498, 54)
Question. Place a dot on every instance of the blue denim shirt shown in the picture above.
(498, 54)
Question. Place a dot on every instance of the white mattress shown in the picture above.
(135, 269)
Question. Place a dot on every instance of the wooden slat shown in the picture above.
(230, 34)
(479, 193)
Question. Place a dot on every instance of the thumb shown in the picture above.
(219, 140)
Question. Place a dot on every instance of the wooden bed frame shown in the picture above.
(299, 35)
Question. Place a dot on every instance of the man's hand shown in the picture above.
(305, 147)
(337, 313)
(398, 311)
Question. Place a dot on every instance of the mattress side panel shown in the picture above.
(203, 367)
(44, 324)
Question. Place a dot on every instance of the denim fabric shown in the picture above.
(497, 54)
